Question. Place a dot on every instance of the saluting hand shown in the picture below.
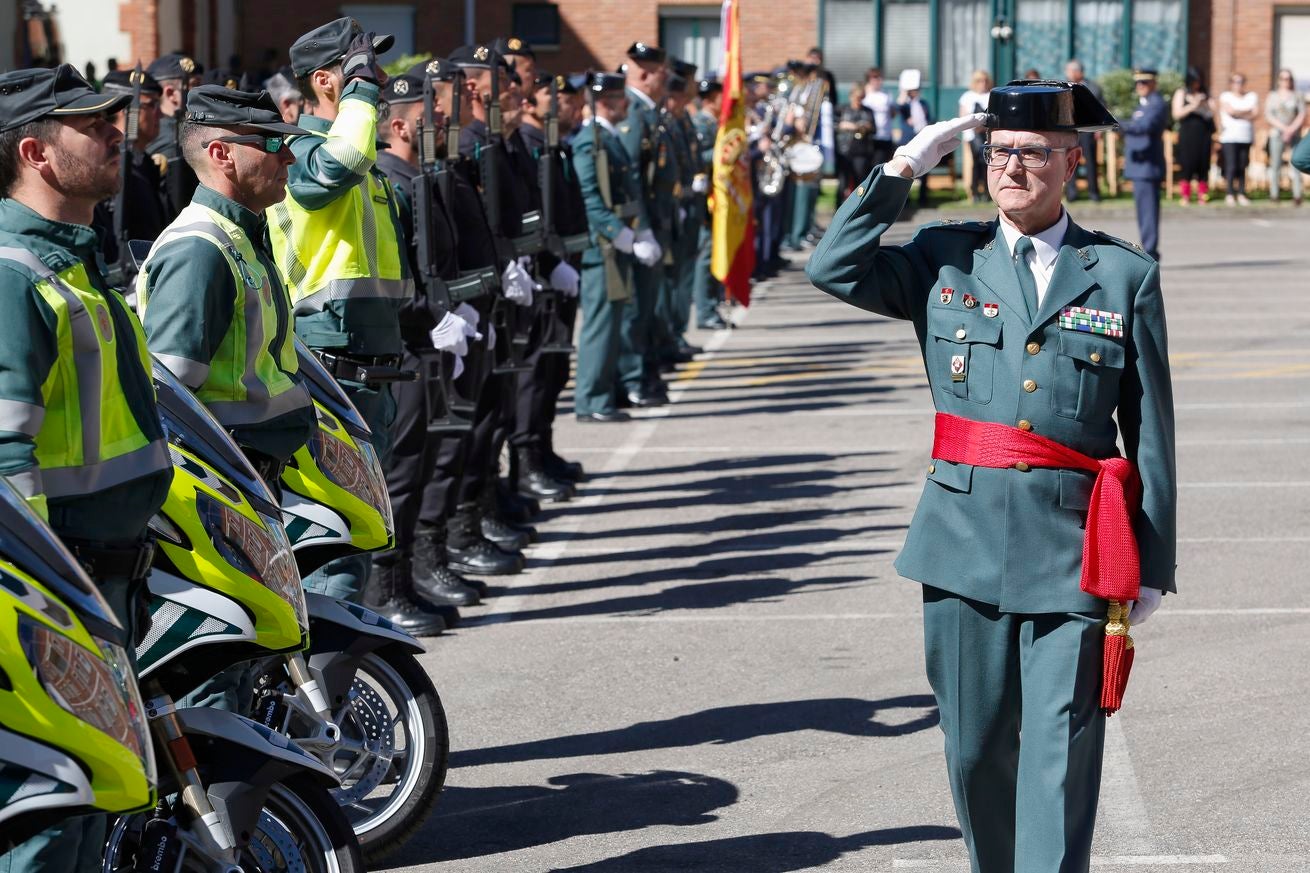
(930, 145)
(360, 61)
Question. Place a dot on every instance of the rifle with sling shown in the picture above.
(123, 270)
(554, 331)
(511, 347)
(442, 416)
(617, 284)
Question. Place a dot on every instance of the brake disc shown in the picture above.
(371, 721)
(273, 848)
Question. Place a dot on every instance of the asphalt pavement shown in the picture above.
(711, 664)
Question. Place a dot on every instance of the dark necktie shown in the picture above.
(1027, 283)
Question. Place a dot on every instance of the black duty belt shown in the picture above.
(366, 369)
(532, 239)
(578, 242)
(103, 560)
(631, 209)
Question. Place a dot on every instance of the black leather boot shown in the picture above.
(514, 507)
(528, 472)
(468, 551)
(565, 471)
(499, 529)
(388, 594)
(434, 582)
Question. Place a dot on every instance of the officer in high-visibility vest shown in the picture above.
(79, 433)
(337, 239)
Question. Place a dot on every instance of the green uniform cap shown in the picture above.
(216, 106)
(26, 95)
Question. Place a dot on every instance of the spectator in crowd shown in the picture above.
(1285, 112)
(880, 103)
(1237, 111)
(915, 116)
(855, 133)
(1031, 74)
(971, 101)
(1195, 117)
(1073, 72)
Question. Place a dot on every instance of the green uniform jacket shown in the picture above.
(707, 131)
(683, 136)
(28, 353)
(1002, 536)
(192, 302)
(625, 189)
(651, 148)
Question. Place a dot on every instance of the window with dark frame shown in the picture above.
(537, 23)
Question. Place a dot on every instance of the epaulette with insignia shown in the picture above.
(958, 224)
(1125, 244)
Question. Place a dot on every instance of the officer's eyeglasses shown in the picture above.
(1031, 157)
(270, 144)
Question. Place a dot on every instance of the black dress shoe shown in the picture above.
(715, 323)
(505, 535)
(642, 400)
(687, 348)
(603, 417)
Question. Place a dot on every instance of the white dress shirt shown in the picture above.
(1046, 248)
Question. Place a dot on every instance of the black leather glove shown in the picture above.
(360, 61)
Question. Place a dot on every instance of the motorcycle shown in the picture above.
(74, 739)
(235, 795)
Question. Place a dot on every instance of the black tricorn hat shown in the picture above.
(1047, 104)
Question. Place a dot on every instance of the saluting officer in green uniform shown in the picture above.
(214, 310)
(1036, 332)
(639, 379)
(338, 242)
(707, 291)
(616, 213)
(79, 433)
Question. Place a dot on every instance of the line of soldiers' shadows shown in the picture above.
(476, 822)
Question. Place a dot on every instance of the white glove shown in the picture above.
(452, 334)
(1147, 602)
(472, 316)
(701, 183)
(564, 279)
(623, 242)
(646, 249)
(518, 284)
(936, 141)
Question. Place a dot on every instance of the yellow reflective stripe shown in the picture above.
(191, 373)
(362, 288)
(87, 478)
(352, 139)
(237, 412)
(27, 482)
(20, 417)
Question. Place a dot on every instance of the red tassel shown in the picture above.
(1117, 661)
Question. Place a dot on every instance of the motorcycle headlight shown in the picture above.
(262, 553)
(100, 692)
(355, 470)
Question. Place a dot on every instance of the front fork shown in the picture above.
(310, 702)
(215, 838)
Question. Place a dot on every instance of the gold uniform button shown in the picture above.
(1029, 385)
(1033, 348)
(1025, 424)
(932, 468)
(961, 333)
(1096, 357)
(859, 192)
(1022, 467)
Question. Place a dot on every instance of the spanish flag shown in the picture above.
(733, 256)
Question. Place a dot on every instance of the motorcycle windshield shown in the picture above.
(324, 389)
(28, 543)
(187, 422)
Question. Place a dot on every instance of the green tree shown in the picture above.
(1120, 95)
(404, 62)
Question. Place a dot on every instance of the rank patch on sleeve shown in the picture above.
(1086, 320)
(958, 368)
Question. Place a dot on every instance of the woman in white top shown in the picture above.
(971, 101)
(1285, 112)
(1238, 108)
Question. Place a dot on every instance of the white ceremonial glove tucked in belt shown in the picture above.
(933, 143)
(518, 284)
(454, 331)
(646, 249)
(564, 279)
(1147, 602)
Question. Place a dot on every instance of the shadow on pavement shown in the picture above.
(753, 521)
(473, 822)
(727, 724)
(743, 462)
(762, 853)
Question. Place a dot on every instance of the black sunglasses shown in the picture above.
(270, 144)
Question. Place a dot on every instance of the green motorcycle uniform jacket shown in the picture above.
(336, 237)
(80, 436)
(217, 315)
(1090, 367)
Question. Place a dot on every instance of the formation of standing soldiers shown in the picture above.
(439, 277)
